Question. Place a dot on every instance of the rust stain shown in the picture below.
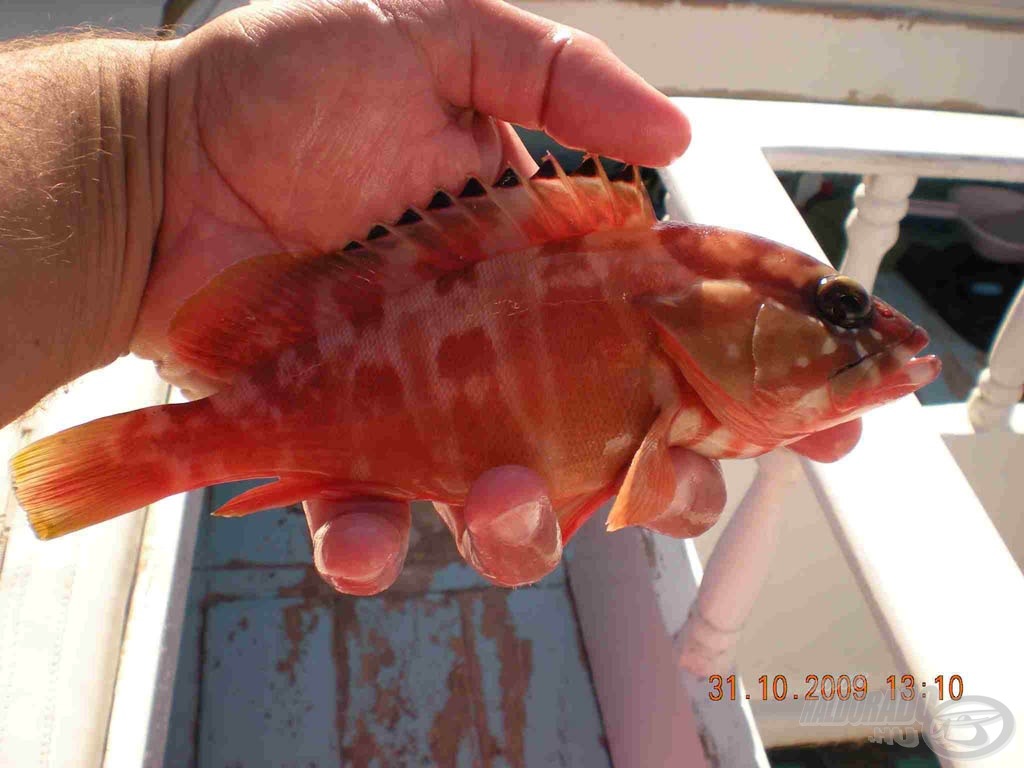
(343, 621)
(364, 749)
(388, 705)
(455, 719)
(647, 539)
(475, 694)
(299, 619)
(515, 656)
(298, 622)
(383, 657)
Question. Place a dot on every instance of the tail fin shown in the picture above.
(97, 471)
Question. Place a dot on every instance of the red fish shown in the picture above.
(551, 323)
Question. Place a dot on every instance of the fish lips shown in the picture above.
(885, 375)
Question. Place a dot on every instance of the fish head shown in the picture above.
(778, 345)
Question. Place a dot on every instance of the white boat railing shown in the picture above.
(945, 590)
(83, 618)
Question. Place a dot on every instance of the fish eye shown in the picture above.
(843, 301)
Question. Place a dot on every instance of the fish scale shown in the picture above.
(549, 322)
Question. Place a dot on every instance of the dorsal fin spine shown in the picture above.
(568, 186)
(606, 184)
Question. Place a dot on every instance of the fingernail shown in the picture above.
(356, 548)
(515, 526)
(469, 552)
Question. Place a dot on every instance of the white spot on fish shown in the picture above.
(617, 444)
(732, 351)
(901, 354)
(746, 451)
(829, 346)
(814, 403)
(685, 427)
(802, 362)
(875, 335)
(873, 375)
(860, 349)
(714, 444)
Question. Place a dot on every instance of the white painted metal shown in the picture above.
(966, 9)
(736, 570)
(991, 460)
(1001, 385)
(63, 602)
(900, 493)
(769, 51)
(140, 712)
(631, 590)
(944, 587)
(838, 138)
(873, 226)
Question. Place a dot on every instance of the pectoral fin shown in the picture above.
(650, 483)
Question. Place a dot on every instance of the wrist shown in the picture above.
(132, 79)
(81, 190)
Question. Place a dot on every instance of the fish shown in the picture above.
(550, 322)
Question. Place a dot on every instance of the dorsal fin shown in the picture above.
(255, 308)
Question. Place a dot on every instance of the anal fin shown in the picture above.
(575, 512)
(282, 493)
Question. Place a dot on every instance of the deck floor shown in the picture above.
(276, 669)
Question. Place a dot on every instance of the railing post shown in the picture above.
(873, 226)
(737, 569)
(1001, 385)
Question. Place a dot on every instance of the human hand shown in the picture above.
(296, 126)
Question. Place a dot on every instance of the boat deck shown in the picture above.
(278, 669)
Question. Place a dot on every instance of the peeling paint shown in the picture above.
(647, 539)
(454, 721)
(437, 673)
(516, 660)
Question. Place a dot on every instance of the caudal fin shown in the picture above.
(97, 471)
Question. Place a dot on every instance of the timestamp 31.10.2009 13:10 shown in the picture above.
(829, 687)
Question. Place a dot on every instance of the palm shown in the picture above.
(265, 153)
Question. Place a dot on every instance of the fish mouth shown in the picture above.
(895, 372)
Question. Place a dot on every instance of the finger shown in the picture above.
(510, 532)
(533, 72)
(359, 546)
(514, 152)
(499, 147)
(830, 444)
(699, 498)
